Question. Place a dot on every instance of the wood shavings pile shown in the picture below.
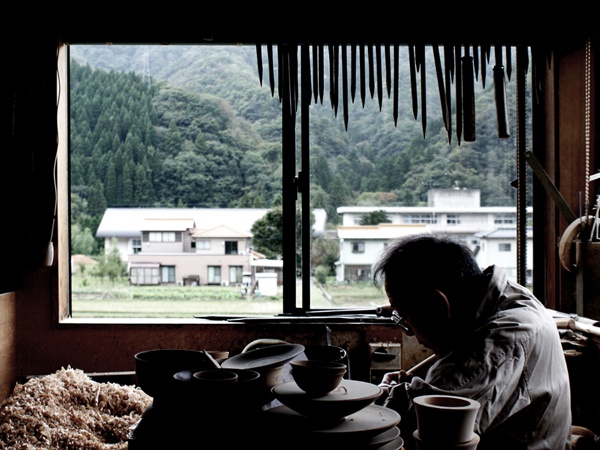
(68, 410)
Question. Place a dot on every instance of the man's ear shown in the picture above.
(440, 306)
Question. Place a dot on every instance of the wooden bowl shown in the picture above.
(317, 377)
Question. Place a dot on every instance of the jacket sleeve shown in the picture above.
(492, 374)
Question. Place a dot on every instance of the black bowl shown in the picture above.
(248, 393)
(154, 369)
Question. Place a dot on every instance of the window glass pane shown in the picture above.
(168, 274)
(231, 247)
(423, 177)
(504, 247)
(187, 134)
(235, 275)
(197, 148)
(202, 245)
(214, 275)
(136, 245)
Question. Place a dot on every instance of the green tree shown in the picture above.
(374, 218)
(110, 184)
(325, 253)
(320, 172)
(96, 201)
(321, 274)
(82, 241)
(267, 234)
(142, 187)
(339, 194)
(127, 186)
(111, 265)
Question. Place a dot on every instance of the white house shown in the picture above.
(489, 230)
(499, 247)
(361, 245)
(453, 211)
(188, 245)
(123, 226)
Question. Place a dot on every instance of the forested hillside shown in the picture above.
(192, 126)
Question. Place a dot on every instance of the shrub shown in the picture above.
(321, 273)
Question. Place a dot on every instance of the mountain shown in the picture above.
(204, 131)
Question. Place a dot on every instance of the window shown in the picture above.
(235, 274)
(358, 247)
(209, 138)
(231, 247)
(505, 219)
(161, 236)
(214, 274)
(144, 274)
(168, 274)
(419, 218)
(201, 245)
(136, 246)
(453, 219)
(504, 247)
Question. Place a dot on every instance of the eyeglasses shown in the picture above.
(398, 320)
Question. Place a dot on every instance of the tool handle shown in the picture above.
(422, 367)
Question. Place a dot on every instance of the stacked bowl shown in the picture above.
(320, 408)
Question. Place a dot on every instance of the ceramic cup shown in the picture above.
(216, 376)
(445, 418)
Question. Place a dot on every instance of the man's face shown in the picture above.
(423, 313)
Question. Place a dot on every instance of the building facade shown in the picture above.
(490, 231)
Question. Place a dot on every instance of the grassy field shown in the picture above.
(93, 298)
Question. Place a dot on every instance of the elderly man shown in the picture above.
(494, 342)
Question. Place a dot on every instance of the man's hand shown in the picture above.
(399, 376)
(391, 379)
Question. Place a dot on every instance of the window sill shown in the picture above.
(235, 320)
(135, 321)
